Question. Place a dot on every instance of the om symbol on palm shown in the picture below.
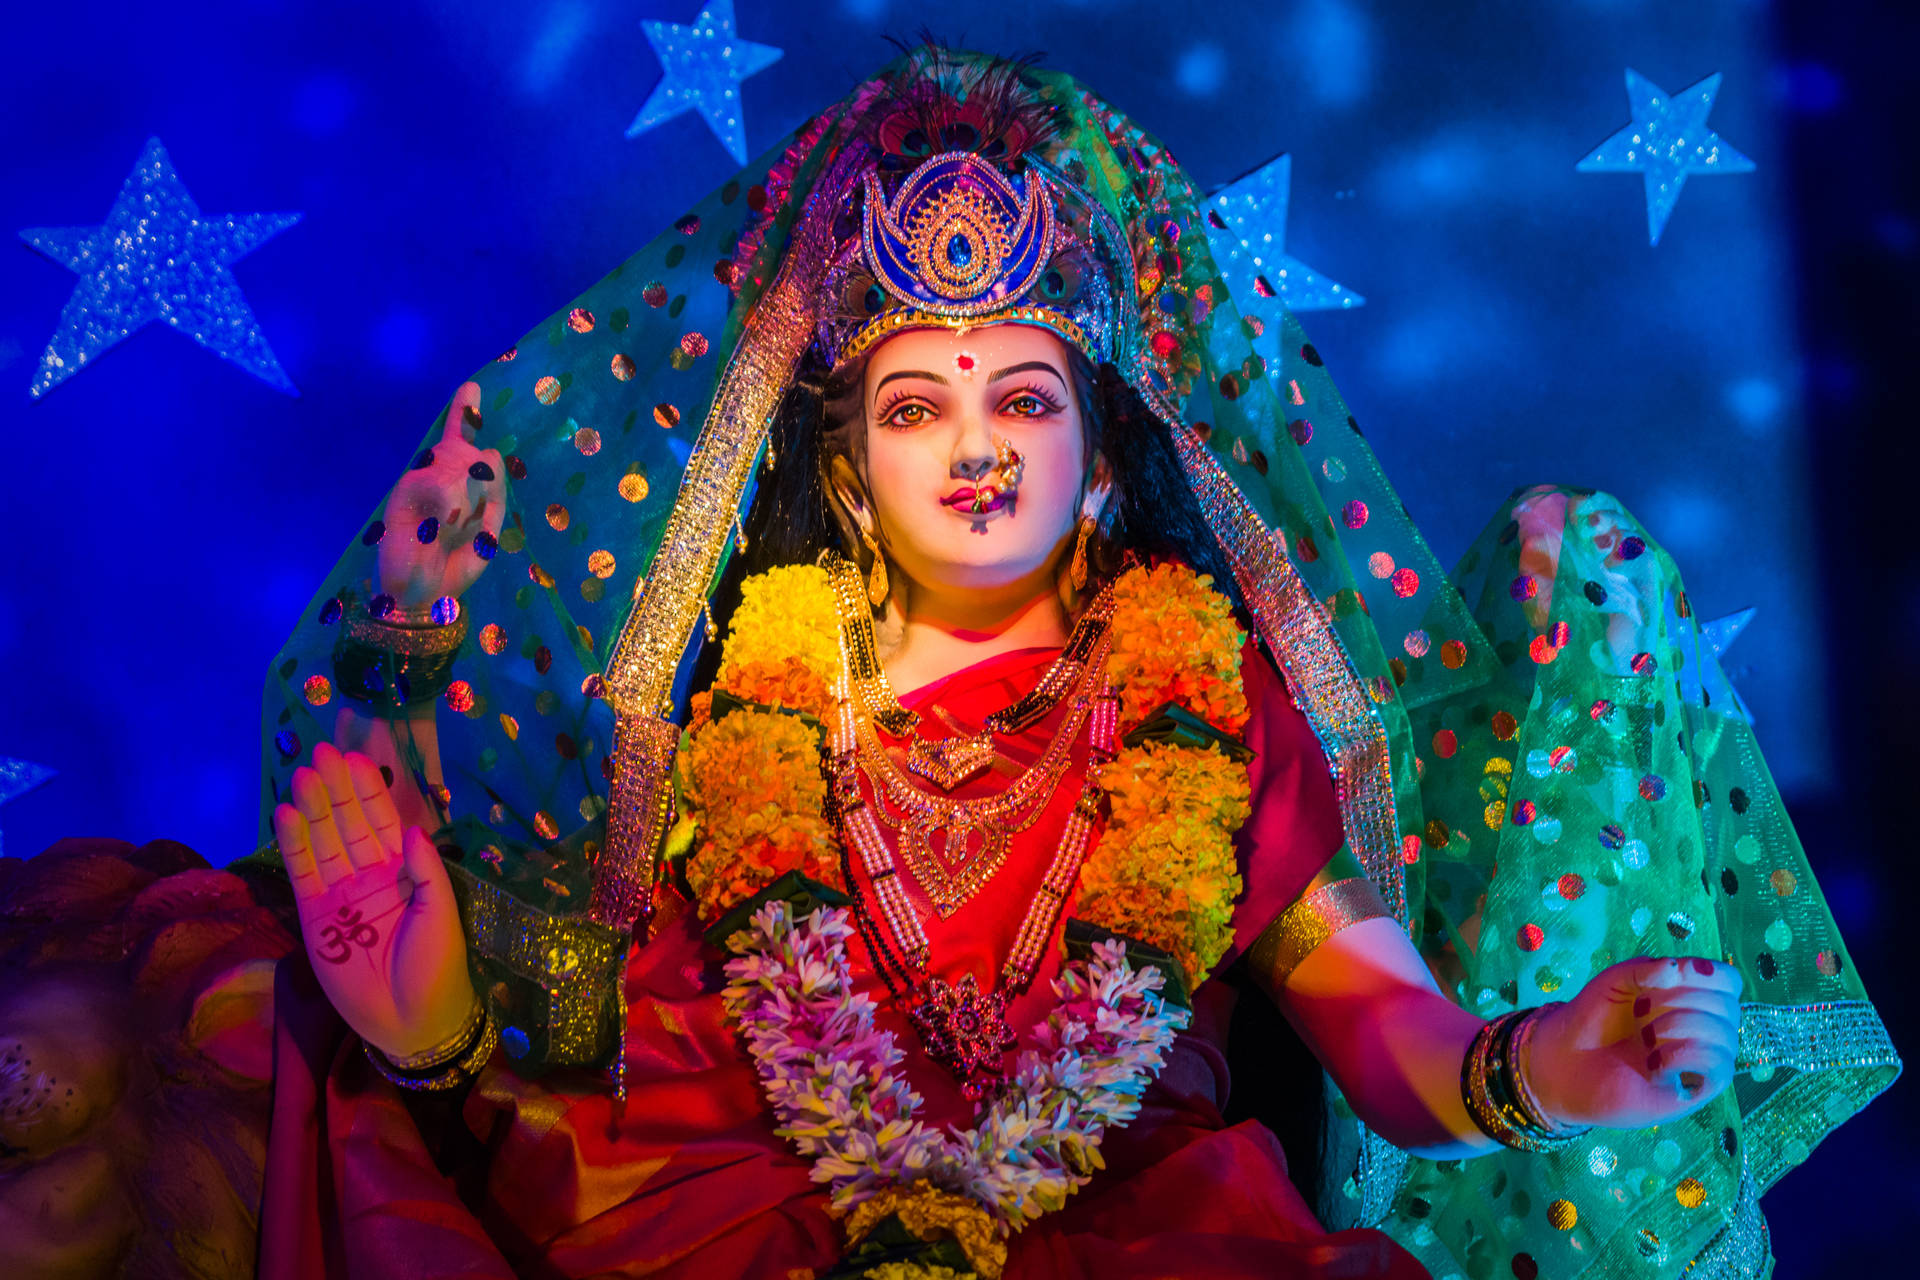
(339, 936)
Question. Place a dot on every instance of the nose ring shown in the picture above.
(1008, 467)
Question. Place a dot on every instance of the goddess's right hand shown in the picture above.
(376, 908)
(462, 491)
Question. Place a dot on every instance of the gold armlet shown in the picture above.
(1310, 921)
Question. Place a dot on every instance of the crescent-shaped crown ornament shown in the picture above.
(958, 238)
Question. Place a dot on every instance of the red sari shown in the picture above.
(692, 1182)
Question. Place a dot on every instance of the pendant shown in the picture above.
(964, 1030)
(969, 853)
(948, 762)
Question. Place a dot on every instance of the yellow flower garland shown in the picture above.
(752, 779)
(783, 645)
(1163, 871)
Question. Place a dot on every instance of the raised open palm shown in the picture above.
(376, 908)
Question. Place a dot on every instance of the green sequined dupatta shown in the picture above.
(1603, 797)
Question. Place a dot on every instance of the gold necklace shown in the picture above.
(962, 1028)
(952, 846)
(875, 691)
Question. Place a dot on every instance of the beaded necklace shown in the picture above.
(962, 1028)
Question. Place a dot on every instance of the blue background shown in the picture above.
(463, 169)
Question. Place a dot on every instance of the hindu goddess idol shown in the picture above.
(845, 735)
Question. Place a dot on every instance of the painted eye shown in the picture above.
(1036, 405)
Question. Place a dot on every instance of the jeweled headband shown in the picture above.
(962, 244)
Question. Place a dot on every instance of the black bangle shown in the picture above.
(386, 679)
(1489, 1088)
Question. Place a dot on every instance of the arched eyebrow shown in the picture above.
(1030, 366)
(909, 373)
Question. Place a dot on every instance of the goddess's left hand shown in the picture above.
(1644, 1042)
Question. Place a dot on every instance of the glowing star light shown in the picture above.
(704, 65)
(157, 257)
(1247, 230)
(1667, 141)
(18, 777)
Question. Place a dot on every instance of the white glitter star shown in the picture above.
(157, 257)
(704, 64)
(1667, 140)
(1250, 249)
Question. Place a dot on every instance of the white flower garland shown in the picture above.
(828, 1072)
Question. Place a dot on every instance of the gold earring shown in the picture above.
(1077, 571)
(877, 585)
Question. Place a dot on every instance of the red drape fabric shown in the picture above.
(691, 1182)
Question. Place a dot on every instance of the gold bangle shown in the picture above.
(1476, 1084)
(447, 1050)
(1487, 1087)
(1310, 921)
(1523, 1088)
(396, 635)
(454, 1076)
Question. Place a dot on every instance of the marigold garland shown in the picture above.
(1175, 640)
(754, 781)
(1164, 870)
(932, 1213)
(783, 645)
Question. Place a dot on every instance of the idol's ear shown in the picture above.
(852, 508)
(1099, 490)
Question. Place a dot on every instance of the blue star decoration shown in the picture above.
(704, 65)
(1667, 141)
(1247, 231)
(1722, 632)
(157, 257)
(18, 777)
(1719, 636)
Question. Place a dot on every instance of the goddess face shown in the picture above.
(939, 406)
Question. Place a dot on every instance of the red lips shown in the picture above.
(975, 501)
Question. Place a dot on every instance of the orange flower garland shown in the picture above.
(1163, 871)
(1175, 640)
(752, 779)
